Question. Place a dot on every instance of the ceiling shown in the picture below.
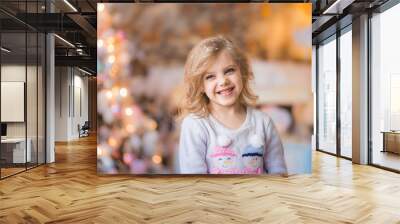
(76, 22)
(76, 26)
(332, 15)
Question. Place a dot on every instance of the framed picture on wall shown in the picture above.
(160, 92)
(12, 101)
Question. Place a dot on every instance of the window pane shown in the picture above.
(31, 96)
(14, 150)
(345, 94)
(41, 98)
(386, 89)
(327, 97)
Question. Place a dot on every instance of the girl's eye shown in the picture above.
(230, 70)
(208, 77)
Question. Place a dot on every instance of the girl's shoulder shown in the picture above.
(193, 120)
(259, 116)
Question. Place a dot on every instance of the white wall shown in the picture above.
(61, 103)
(71, 93)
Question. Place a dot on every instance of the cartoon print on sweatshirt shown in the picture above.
(252, 155)
(223, 157)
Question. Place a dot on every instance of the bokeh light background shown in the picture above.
(141, 52)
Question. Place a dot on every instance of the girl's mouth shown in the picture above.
(226, 92)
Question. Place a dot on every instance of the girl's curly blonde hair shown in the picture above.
(198, 61)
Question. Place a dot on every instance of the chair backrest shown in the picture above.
(86, 125)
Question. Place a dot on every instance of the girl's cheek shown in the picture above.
(211, 86)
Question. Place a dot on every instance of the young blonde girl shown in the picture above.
(221, 132)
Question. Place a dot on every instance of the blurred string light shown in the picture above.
(156, 159)
(100, 43)
(109, 94)
(123, 92)
(128, 111)
(122, 121)
(128, 158)
(110, 48)
(99, 151)
(111, 59)
(151, 124)
(112, 142)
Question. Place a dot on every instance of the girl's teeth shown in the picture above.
(226, 91)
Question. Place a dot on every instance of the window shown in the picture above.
(385, 89)
(346, 94)
(327, 97)
(22, 75)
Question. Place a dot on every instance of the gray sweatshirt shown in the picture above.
(207, 146)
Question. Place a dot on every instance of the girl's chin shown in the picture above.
(232, 96)
(222, 101)
(225, 102)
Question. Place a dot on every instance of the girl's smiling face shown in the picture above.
(222, 82)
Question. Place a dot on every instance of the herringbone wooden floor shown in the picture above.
(70, 191)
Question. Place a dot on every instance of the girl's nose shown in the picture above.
(223, 81)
